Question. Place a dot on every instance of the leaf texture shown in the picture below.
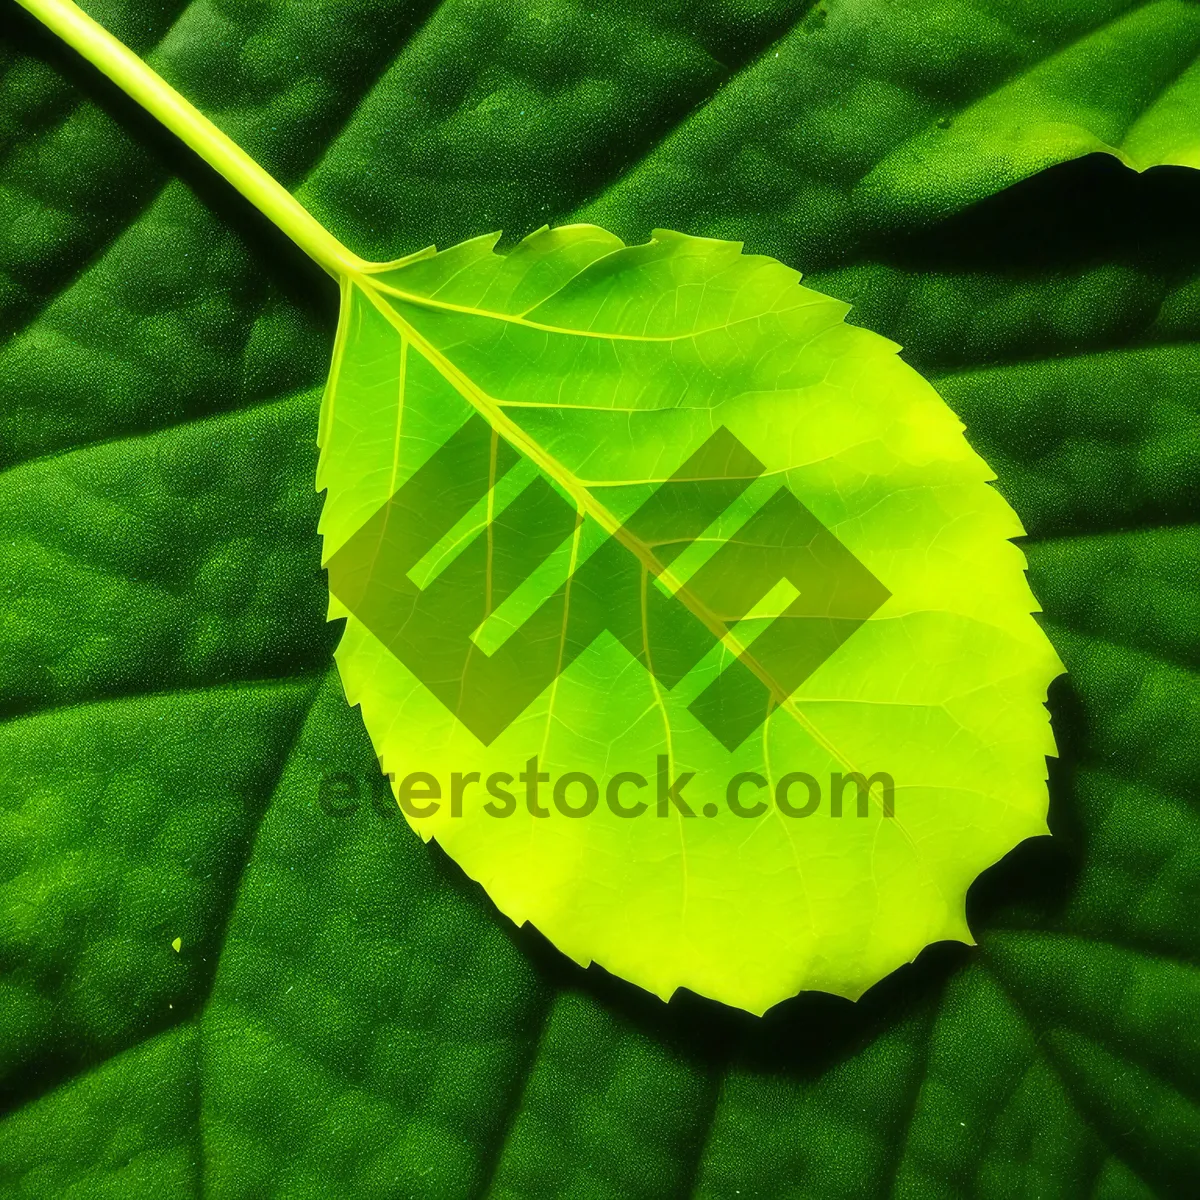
(345, 1017)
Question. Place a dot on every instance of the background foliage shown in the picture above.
(347, 1016)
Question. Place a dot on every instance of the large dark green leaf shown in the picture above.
(345, 1014)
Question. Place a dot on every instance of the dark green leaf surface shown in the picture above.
(346, 1016)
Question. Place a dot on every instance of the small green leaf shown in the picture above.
(603, 370)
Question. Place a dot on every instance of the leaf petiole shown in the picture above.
(192, 127)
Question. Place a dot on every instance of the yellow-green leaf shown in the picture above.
(595, 370)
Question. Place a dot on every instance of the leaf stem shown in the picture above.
(184, 120)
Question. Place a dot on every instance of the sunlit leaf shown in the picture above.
(607, 371)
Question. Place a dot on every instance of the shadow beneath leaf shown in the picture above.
(1091, 211)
